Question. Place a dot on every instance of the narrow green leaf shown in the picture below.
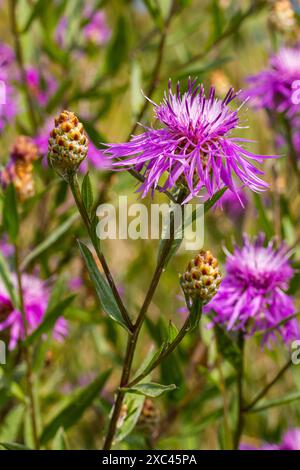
(278, 402)
(37, 9)
(49, 241)
(228, 347)
(49, 320)
(262, 216)
(134, 404)
(102, 288)
(6, 278)
(195, 314)
(13, 446)
(11, 424)
(151, 389)
(172, 332)
(117, 50)
(60, 441)
(87, 193)
(72, 413)
(10, 212)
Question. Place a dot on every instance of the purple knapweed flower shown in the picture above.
(290, 441)
(278, 87)
(42, 85)
(194, 146)
(8, 101)
(252, 295)
(96, 30)
(36, 296)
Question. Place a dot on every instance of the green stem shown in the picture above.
(240, 378)
(132, 341)
(27, 354)
(265, 390)
(73, 182)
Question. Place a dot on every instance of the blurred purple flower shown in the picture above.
(273, 88)
(233, 206)
(252, 295)
(60, 32)
(96, 30)
(8, 101)
(36, 296)
(290, 441)
(42, 85)
(193, 147)
(6, 248)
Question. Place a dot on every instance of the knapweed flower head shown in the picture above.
(8, 102)
(252, 296)
(202, 277)
(194, 147)
(274, 88)
(68, 144)
(290, 441)
(282, 16)
(19, 169)
(36, 296)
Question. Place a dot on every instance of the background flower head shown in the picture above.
(36, 296)
(290, 441)
(8, 100)
(252, 295)
(272, 88)
(194, 146)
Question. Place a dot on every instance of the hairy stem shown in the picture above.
(27, 354)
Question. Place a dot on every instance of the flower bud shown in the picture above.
(68, 144)
(23, 180)
(282, 16)
(19, 169)
(202, 277)
(24, 150)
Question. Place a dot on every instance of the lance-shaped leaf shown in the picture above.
(13, 446)
(276, 402)
(134, 405)
(151, 389)
(6, 279)
(87, 193)
(228, 348)
(49, 241)
(10, 212)
(75, 409)
(102, 288)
